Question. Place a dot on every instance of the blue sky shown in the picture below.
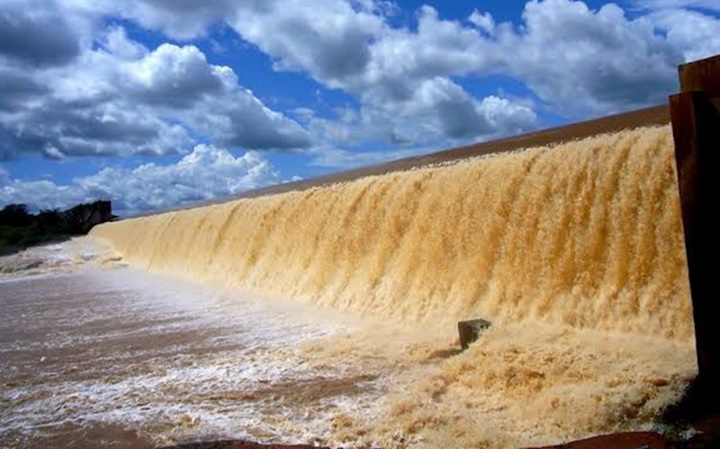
(160, 103)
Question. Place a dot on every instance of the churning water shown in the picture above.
(575, 252)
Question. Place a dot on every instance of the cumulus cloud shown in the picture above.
(175, 76)
(710, 5)
(440, 111)
(590, 62)
(401, 77)
(578, 60)
(58, 127)
(123, 99)
(16, 89)
(36, 33)
(483, 21)
(178, 19)
(697, 35)
(343, 45)
(331, 39)
(207, 172)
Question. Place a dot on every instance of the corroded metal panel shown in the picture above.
(696, 130)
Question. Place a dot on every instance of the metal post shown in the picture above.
(696, 129)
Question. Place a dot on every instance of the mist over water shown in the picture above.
(574, 252)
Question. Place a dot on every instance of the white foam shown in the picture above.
(74, 255)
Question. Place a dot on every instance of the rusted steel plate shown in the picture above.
(696, 131)
(702, 75)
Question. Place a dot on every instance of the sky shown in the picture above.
(156, 104)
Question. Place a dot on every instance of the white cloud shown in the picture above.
(123, 99)
(37, 34)
(577, 60)
(330, 39)
(483, 21)
(586, 62)
(175, 76)
(71, 86)
(178, 19)
(116, 42)
(402, 78)
(696, 34)
(439, 109)
(189, 18)
(42, 194)
(711, 5)
(207, 172)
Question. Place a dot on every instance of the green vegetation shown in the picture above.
(20, 229)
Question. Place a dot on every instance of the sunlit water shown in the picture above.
(574, 252)
(160, 361)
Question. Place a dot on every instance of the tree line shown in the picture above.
(19, 228)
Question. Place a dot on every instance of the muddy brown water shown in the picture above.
(116, 359)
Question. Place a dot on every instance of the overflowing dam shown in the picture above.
(574, 249)
(325, 311)
(586, 233)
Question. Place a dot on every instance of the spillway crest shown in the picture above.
(585, 233)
